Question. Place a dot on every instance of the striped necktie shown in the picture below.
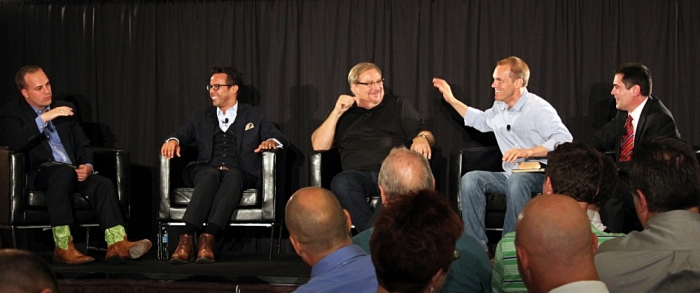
(627, 141)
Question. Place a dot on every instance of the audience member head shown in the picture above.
(518, 68)
(317, 224)
(360, 68)
(23, 271)
(413, 243)
(581, 172)
(403, 171)
(665, 176)
(632, 74)
(554, 243)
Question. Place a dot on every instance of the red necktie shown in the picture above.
(627, 141)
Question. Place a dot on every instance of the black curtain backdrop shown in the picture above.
(141, 67)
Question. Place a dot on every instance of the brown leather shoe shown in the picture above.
(71, 255)
(184, 250)
(125, 249)
(205, 251)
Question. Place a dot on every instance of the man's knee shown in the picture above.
(343, 181)
(64, 174)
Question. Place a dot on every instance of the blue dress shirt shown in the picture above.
(348, 269)
(49, 130)
(531, 122)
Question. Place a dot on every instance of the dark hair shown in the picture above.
(413, 238)
(24, 271)
(581, 172)
(666, 170)
(233, 76)
(27, 69)
(636, 73)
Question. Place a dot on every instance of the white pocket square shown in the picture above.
(249, 126)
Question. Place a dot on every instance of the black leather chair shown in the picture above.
(483, 159)
(21, 208)
(324, 165)
(258, 208)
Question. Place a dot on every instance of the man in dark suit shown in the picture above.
(640, 117)
(60, 160)
(229, 137)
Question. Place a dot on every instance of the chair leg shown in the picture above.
(279, 237)
(87, 239)
(159, 241)
(14, 237)
(272, 240)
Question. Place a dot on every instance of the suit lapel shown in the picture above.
(239, 125)
(211, 123)
(31, 116)
(643, 120)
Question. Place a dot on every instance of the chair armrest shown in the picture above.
(115, 164)
(272, 165)
(470, 159)
(315, 159)
(12, 182)
(164, 188)
(323, 166)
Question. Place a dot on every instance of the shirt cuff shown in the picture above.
(279, 144)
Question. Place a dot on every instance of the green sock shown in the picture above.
(61, 236)
(114, 234)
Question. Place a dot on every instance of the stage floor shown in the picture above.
(252, 271)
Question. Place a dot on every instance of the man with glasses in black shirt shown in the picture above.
(365, 127)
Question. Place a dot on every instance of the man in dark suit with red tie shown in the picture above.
(229, 137)
(640, 116)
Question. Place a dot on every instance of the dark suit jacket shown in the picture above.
(199, 131)
(20, 133)
(655, 120)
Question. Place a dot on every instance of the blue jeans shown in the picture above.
(352, 189)
(518, 188)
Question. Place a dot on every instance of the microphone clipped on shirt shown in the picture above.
(226, 122)
(508, 127)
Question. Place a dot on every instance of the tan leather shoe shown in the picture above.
(125, 249)
(205, 251)
(184, 250)
(71, 255)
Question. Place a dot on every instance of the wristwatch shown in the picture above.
(423, 136)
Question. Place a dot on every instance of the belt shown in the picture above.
(222, 168)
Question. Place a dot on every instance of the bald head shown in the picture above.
(23, 271)
(316, 220)
(554, 243)
(404, 171)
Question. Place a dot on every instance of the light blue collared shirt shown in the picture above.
(348, 269)
(532, 122)
(49, 130)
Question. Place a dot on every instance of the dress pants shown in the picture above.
(352, 188)
(60, 182)
(216, 194)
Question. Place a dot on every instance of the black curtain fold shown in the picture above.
(142, 65)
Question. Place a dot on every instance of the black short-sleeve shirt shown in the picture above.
(365, 137)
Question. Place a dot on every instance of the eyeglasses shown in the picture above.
(372, 84)
(455, 255)
(216, 86)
